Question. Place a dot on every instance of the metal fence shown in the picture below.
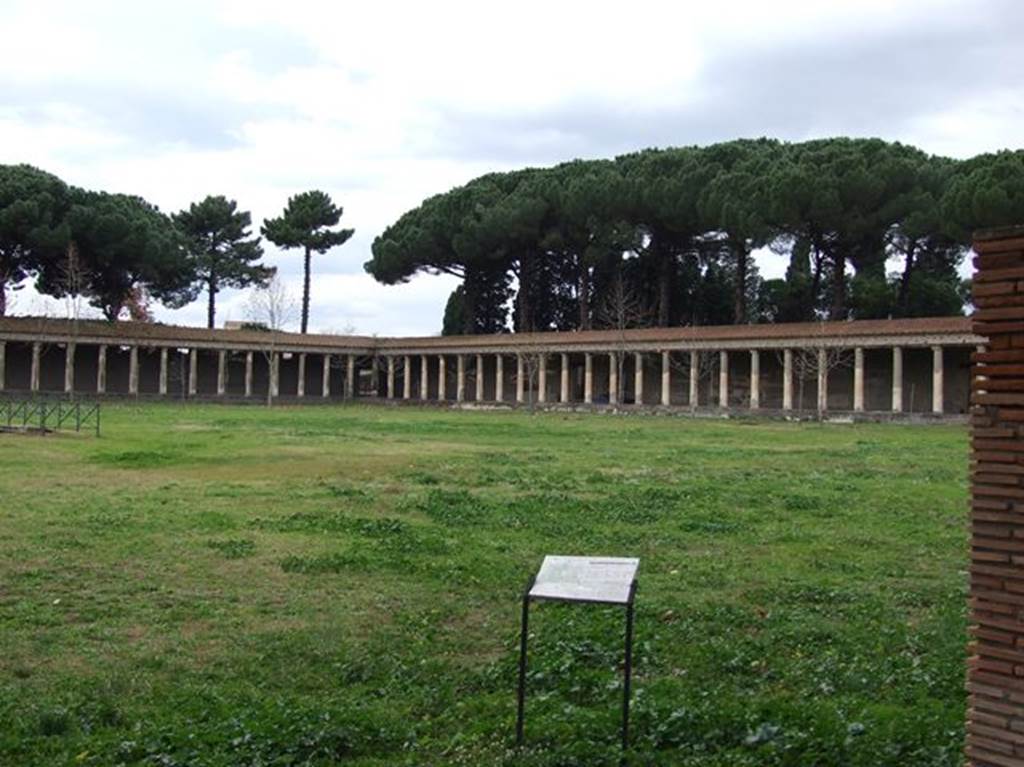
(45, 415)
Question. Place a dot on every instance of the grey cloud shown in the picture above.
(850, 84)
(130, 105)
(145, 117)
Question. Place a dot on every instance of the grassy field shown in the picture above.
(209, 585)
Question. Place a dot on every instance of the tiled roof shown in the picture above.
(182, 335)
(855, 328)
(158, 332)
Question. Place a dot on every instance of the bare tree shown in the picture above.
(271, 308)
(533, 358)
(814, 362)
(708, 362)
(71, 278)
(620, 310)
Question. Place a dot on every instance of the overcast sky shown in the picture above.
(382, 104)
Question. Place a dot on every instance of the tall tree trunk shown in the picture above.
(903, 297)
(470, 299)
(739, 249)
(3, 297)
(524, 299)
(838, 308)
(211, 303)
(305, 292)
(664, 287)
(584, 297)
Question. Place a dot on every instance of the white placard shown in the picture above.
(590, 579)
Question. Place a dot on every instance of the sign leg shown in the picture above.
(627, 683)
(522, 668)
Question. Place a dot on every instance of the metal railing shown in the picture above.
(49, 415)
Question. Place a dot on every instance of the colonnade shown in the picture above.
(273, 360)
(539, 377)
(819, 364)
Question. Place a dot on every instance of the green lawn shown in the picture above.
(221, 585)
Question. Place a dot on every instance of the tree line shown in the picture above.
(119, 251)
(667, 236)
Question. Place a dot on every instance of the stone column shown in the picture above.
(638, 378)
(325, 385)
(563, 395)
(3, 364)
(588, 378)
(755, 379)
(723, 378)
(424, 377)
(460, 378)
(520, 380)
(162, 384)
(391, 376)
(300, 388)
(275, 375)
(542, 377)
(350, 376)
(613, 378)
(822, 380)
(787, 379)
(193, 371)
(406, 377)
(37, 351)
(133, 371)
(694, 378)
(69, 368)
(897, 379)
(478, 370)
(499, 378)
(248, 374)
(101, 370)
(858, 380)
(666, 379)
(222, 372)
(441, 375)
(937, 376)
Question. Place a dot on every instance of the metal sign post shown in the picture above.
(591, 580)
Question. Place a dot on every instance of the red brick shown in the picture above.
(1000, 468)
(999, 399)
(993, 706)
(1000, 300)
(995, 456)
(997, 384)
(995, 671)
(1006, 274)
(990, 478)
(1005, 313)
(999, 260)
(991, 635)
(1000, 544)
(986, 247)
(997, 356)
(999, 445)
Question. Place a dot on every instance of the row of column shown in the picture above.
(541, 361)
(821, 367)
(274, 359)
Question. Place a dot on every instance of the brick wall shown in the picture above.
(995, 718)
